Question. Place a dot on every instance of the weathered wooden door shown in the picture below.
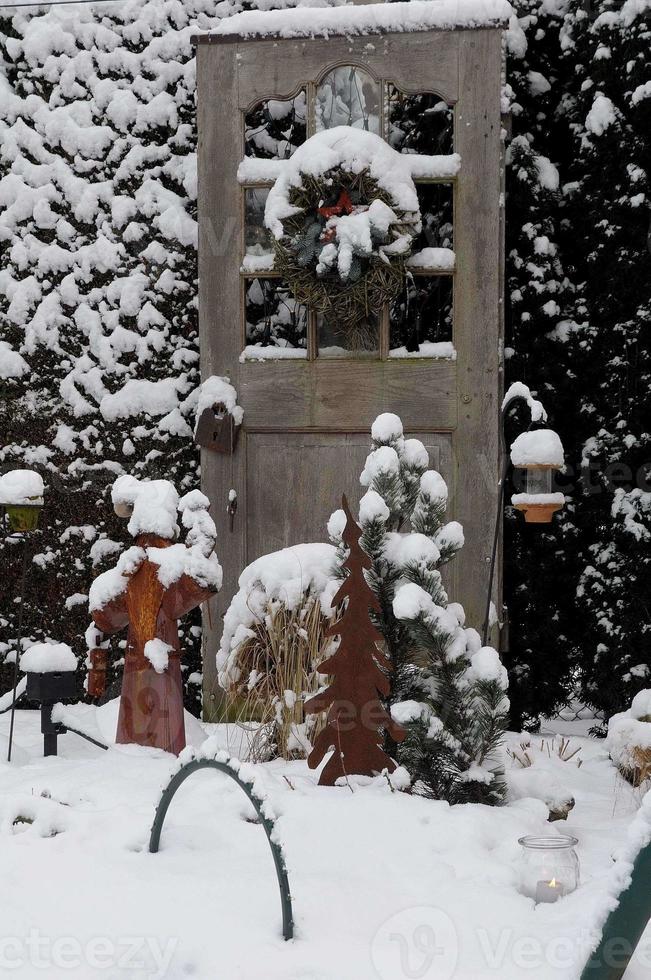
(308, 402)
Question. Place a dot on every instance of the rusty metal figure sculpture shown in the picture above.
(154, 584)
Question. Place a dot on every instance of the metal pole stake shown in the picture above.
(19, 644)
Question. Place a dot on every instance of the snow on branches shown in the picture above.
(447, 690)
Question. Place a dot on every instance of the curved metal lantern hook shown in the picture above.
(279, 860)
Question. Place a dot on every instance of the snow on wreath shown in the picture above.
(344, 213)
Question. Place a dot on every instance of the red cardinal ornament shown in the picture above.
(343, 206)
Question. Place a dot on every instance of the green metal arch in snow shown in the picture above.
(624, 926)
(279, 860)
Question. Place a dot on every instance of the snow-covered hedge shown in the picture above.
(98, 358)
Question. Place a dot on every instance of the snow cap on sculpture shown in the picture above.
(151, 506)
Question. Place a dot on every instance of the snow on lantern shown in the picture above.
(51, 677)
(21, 495)
(549, 868)
(539, 453)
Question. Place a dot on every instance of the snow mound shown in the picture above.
(21, 487)
(541, 447)
(48, 658)
(629, 739)
(101, 722)
(419, 15)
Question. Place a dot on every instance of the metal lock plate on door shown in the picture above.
(216, 430)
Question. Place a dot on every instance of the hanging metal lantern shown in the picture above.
(539, 454)
(21, 496)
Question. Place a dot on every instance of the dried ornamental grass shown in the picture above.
(637, 769)
(278, 669)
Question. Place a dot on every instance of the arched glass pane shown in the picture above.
(348, 96)
(275, 128)
(419, 123)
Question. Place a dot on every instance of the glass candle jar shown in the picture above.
(549, 868)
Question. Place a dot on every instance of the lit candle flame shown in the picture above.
(553, 883)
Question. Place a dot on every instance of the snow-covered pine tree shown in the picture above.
(442, 688)
(458, 710)
(608, 204)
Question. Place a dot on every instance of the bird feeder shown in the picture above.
(21, 495)
(539, 454)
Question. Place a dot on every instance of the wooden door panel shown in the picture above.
(294, 482)
(428, 63)
(348, 395)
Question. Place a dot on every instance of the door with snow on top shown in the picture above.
(310, 389)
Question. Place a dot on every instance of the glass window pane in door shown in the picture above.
(258, 246)
(274, 129)
(348, 96)
(359, 341)
(419, 123)
(273, 317)
(436, 210)
(420, 318)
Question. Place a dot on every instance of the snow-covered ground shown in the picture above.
(384, 885)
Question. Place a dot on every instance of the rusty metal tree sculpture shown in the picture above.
(356, 716)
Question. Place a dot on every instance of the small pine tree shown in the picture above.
(356, 716)
(460, 709)
(447, 692)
